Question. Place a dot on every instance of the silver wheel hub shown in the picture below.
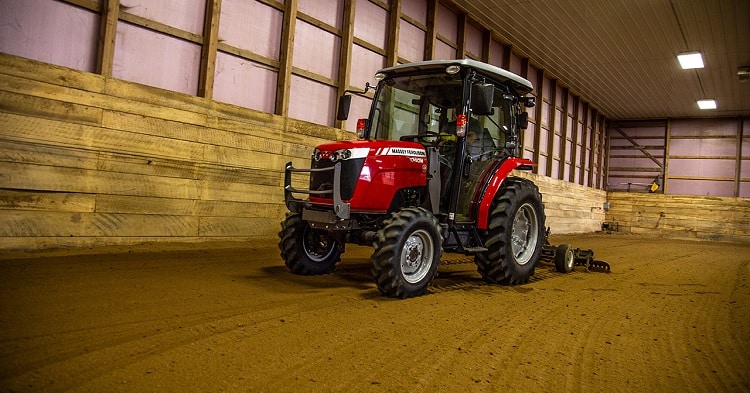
(416, 256)
(524, 234)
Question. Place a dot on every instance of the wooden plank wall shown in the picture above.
(569, 207)
(87, 160)
(711, 218)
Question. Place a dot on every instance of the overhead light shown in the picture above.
(707, 104)
(690, 60)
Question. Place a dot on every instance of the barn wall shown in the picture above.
(171, 121)
(705, 157)
(569, 207)
(87, 160)
(711, 218)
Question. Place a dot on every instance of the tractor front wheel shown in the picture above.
(407, 253)
(307, 251)
(515, 234)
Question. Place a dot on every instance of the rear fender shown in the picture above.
(497, 180)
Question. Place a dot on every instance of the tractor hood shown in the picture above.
(345, 150)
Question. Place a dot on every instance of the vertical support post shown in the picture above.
(738, 165)
(394, 25)
(551, 134)
(507, 53)
(564, 134)
(285, 58)
(430, 37)
(584, 138)
(347, 42)
(665, 164)
(461, 40)
(574, 140)
(603, 143)
(486, 45)
(592, 147)
(208, 51)
(107, 34)
(538, 117)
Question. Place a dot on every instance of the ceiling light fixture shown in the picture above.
(690, 60)
(707, 104)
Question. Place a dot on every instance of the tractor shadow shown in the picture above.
(455, 273)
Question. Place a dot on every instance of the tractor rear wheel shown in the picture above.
(407, 253)
(307, 251)
(515, 234)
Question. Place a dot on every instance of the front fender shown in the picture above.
(502, 172)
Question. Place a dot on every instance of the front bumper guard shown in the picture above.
(340, 208)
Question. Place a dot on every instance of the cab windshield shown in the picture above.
(418, 104)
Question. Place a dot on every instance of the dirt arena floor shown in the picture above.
(672, 316)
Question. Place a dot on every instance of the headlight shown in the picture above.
(340, 155)
(316, 154)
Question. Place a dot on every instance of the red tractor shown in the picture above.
(429, 174)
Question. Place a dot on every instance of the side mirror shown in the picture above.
(345, 102)
(530, 102)
(482, 96)
(523, 121)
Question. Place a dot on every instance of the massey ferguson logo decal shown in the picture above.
(401, 151)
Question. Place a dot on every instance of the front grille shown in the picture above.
(350, 169)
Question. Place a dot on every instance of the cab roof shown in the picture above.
(521, 85)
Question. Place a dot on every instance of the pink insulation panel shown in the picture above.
(155, 59)
(497, 51)
(328, 11)
(725, 147)
(444, 51)
(700, 187)
(447, 23)
(183, 14)
(312, 101)
(699, 167)
(371, 24)
(545, 112)
(416, 9)
(262, 36)
(241, 82)
(316, 50)
(359, 109)
(410, 42)
(474, 41)
(49, 31)
(529, 136)
(365, 63)
(515, 64)
(704, 127)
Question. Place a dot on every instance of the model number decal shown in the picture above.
(401, 151)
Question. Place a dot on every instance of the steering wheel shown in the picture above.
(422, 138)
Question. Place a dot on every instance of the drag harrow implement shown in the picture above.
(565, 257)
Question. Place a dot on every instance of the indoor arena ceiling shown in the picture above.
(621, 54)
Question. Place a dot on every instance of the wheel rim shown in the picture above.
(318, 245)
(569, 259)
(524, 234)
(416, 256)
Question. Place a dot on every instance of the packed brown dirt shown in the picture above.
(672, 316)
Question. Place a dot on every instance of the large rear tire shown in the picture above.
(515, 234)
(407, 253)
(307, 251)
